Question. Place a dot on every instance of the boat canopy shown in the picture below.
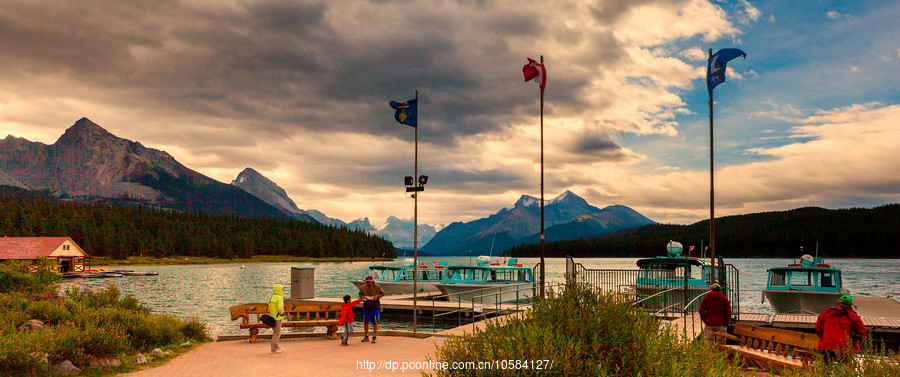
(822, 279)
(490, 274)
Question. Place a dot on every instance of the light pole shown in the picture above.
(414, 186)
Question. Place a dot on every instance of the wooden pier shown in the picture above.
(879, 314)
(426, 304)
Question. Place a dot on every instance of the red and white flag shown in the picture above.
(535, 71)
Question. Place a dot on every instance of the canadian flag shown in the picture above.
(535, 71)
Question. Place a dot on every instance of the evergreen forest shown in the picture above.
(841, 233)
(119, 232)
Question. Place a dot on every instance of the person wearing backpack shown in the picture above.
(839, 330)
(372, 294)
(276, 310)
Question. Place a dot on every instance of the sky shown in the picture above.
(299, 91)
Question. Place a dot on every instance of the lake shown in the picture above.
(206, 291)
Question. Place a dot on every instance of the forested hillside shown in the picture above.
(119, 232)
(857, 233)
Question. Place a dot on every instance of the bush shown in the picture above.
(16, 350)
(79, 326)
(194, 329)
(14, 277)
(584, 333)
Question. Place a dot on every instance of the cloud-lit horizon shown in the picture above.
(299, 91)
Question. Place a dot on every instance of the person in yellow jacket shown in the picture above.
(276, 310)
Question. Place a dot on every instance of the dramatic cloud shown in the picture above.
(299, 92)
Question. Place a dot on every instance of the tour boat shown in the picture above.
(807, 287)
(488, 283)
(396, 280)
(681, 278)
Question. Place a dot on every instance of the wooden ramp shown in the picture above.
(477, 326)
(687, 328)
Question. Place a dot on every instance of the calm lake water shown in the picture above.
(206, 291)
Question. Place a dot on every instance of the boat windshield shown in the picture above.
(424, 275)
(510, 276)
(801, 279)
(667, 271)
(777, 279)
(383, 274)
(829, 280)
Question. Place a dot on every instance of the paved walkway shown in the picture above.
(301, 357)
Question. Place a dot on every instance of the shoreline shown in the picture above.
(187, 260)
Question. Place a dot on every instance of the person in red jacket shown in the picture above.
(715, 312)
(347, 318)
(839, 330)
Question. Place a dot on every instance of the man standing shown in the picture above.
(715, 312)
(372, 294)
(838, 329)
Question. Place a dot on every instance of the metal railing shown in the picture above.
(672, 298)
(476, 303)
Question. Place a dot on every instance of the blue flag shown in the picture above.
(715, 70)
(406, 112)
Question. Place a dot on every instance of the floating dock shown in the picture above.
(879, 314)
(426, 304)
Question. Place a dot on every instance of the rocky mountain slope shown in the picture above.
(567, 216)
(87, 163)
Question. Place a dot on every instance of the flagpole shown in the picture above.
(542, 186)
(416, 225)
(712, 198)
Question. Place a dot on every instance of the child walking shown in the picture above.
(347, 318)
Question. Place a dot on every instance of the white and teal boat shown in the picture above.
(488, 283)
(666, 280)
(807, 287)
(396, 280)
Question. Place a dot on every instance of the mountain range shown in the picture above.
(398, 231)
(87, 163)
(568, 216)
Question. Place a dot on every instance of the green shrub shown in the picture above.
(80, 325)
(14, 277)
(16, 350)
(192, 328)
(584, 333)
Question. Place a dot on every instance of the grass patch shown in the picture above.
(79, 325)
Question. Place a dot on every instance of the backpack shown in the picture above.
(267, 320)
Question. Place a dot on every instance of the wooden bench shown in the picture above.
(305, 314)
(771, 348)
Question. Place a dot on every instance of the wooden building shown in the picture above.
(67, 254)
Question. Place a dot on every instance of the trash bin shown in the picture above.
(303, 282)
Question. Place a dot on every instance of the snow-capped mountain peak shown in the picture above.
(527, 201)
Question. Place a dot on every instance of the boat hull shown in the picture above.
(802, 302)
(400, 288)
(487, 293)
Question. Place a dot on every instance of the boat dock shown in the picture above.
(879, 314)
(404, 303)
